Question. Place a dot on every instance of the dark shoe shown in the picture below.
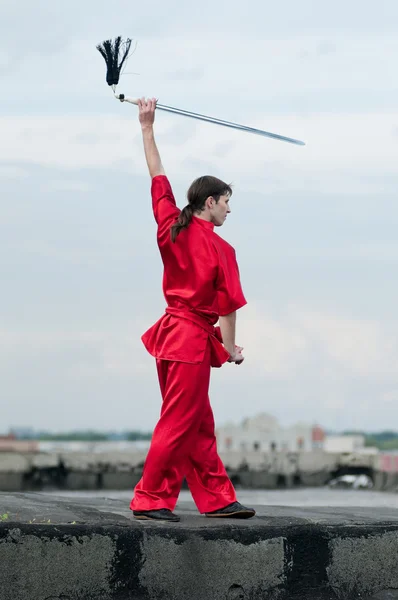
(235, 510)
(163, 514)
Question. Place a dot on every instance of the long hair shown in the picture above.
(197, 194)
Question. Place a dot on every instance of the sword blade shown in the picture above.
(216, 121)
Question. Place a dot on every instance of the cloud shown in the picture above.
(90, 353)
(67, 185)
(314, 227)
(337, 155)
(311, 366)
(326, 47)
(345, 68)
(317, 359)
(366, 349)
(299, 339)
(187, 74)
(12, 172)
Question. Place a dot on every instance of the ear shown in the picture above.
(210, 201)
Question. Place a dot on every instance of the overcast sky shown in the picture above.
(314, 227)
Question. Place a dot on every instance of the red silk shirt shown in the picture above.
(200, 283)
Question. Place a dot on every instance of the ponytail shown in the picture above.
(184, 219)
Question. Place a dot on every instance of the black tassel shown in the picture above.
(110, 51)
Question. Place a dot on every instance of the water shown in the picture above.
(298, 497)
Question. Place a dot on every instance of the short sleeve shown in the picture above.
(229, 289)
(163, 202)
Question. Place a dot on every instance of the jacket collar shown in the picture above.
(203, 223)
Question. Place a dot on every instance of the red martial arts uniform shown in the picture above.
(200, 283)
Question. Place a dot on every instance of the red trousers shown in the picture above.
(184, 444)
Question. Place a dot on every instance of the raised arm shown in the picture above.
(147, 118)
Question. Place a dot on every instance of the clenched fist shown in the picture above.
(147, 111)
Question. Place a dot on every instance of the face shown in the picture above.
(218, 210)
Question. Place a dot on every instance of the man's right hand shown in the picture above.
(146, 112)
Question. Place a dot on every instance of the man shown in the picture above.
(201, 285)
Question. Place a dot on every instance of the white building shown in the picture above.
(347, 443)
(264, 434)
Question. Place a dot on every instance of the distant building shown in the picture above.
(9, 443)
(347, 443)
(263, 433)
(93, 447)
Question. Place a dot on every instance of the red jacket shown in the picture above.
(200, 283)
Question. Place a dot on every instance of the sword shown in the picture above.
(200, 117)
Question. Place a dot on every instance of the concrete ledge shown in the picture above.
(52, 548)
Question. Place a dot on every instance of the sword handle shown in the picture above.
(124, 98)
